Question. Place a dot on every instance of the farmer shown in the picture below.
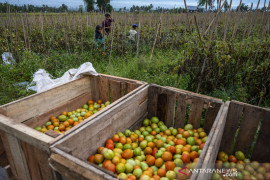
(132, 34)
(98, 38)
(106, 24)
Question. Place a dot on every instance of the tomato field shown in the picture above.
(222, 54)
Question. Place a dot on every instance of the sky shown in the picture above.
(125, 3)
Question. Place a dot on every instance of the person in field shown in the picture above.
(132, 34)
(99, 38)
(106, 24)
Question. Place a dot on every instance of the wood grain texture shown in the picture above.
(94, 88)
(153, 93)
(180, 111)
(195, 112)
(233, 118)
(171, 100)
(248, 127)
(19, 158)
(210, 116)
(213, 147)
(130, 87)
(25, 133)
(72, 104)
(103, 88)
(70, 169)
(162, 108)
(115, 87)
(40, 103)
(262, 147)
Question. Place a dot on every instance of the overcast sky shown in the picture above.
(125, 3)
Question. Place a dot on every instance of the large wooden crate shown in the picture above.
(248, 126)
(28, 150)
(173, 106)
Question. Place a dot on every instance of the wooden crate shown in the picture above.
(70, 154)
(241, 121)
(28, 150)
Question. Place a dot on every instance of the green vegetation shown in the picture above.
(237, 68)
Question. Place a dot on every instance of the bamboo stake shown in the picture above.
(204, 62)
(214, 19)
(42, 31)
(237, 22)
(112, 39)
(156, 36)
(27, 31)
(138, 37)
(253, 19)
(226, 23)
(187, 15)
(199, 32)
(24, 33)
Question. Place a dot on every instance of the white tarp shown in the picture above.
(7, 58)
(43, 80)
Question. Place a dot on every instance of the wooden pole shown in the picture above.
(138, 37)
(226, 23)
(237, 21)
(156, 36)
(187, 15)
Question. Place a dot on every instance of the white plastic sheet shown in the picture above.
(43, 80)
(7, 58)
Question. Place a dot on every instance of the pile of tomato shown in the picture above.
(67, 120)
(153, 151)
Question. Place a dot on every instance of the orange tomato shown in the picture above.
(64, 113)
(110, 146)
(61, 127)
(150, 160)
(127, 154)
(90, 102)
(80, 118)
(148, 150)
(132, 177)
(159, 162)
(115, 138)
(151, 145)
(54, 120)
(71, 121)
(186, 134)
(99, 102)
(194, 155)
(156, 177)
(128, 140)
(67, 128)
(148, 173)
(91, 158)
(66, 123)
(56, 124)
(185, 158)
(100, 149)
(109, 141)
(169, 166)
(180, 141)
(50, 127)
(161, 172)
(167, 156)
(52, 117)
(122, 140)
(87, 115)
(76, 123)
(111, 167)
(153, 133)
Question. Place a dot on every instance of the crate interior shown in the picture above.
(165, 103)
(40, 107)
(247, 130)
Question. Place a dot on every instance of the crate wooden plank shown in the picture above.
(210, 116)
(115, 87)
(39, 103)
(233, 118)
(18, 156)
(195, 112)
(121, 79)
(260, 153)
(103, 88)
(162, 107)
(72, 104)
(171, 99)
(25, 133)
(248, 127)
(31, 157)
(94, 88)
(130, 87)
(8, 152)
(123, 89)
(211, 150)
(153, 93)
(180, 111)
(81, 171)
